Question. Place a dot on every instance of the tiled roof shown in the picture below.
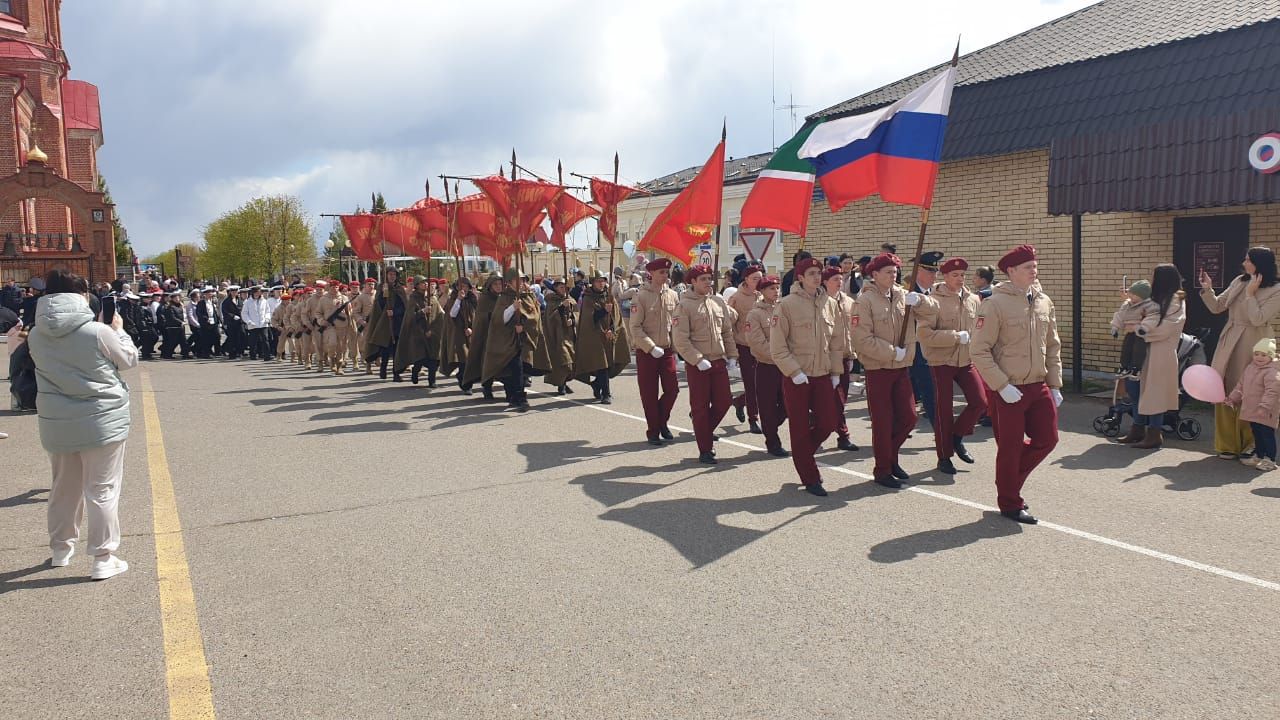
(1107, 28)
(736, 170)
(80, 105)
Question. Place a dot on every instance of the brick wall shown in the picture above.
(983, 206)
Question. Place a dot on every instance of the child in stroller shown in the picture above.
(1190, 352)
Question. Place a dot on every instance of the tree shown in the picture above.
(263, 237)
(124, 250)
(169, 261)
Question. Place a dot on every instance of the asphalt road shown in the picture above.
(360, 549)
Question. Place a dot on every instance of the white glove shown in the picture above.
(657, 352)
(731, 364)
(704, 365)
(508, 313)
(913, 299)
(835, 381)
(1010, 394)
(899, 354)
(1057, 397)
(457, 305)
(963, 337)
(800, 378)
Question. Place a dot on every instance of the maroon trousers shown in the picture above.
(709, 400)
(773, 408)
(1034, 416)
(842, 397)
(812, 417)
(748, 363)
(653, 375)
(893, 415)
(975, 397)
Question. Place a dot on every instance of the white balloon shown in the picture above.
(629, 248)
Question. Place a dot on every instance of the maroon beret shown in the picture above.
(768, 281)
(883, 260)
(830, 272)
(954, 264)
(805, 264)
(1017, 256)
(698, 271)
(750, 270)
(659, 264)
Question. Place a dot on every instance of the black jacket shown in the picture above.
(231, 313)
(11, 297)
(171, 316)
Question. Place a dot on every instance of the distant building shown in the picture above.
(1123, 130)
(51, 214)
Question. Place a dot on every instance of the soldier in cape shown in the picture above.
(602, 349)
(485, 303)
(460, 313)
(385, 321)
(420, 334)
(515, 347)
(560, 331)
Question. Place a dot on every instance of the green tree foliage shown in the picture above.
(258, 239)
(169, 260)
(124, 250)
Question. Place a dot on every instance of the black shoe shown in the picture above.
(382, 375)
(945, 466)
(985, 421)
(488, 394)
(398, 378)
(755, 428)
(413, 378)
(708, 458)
(568, 388)
(606, 399)
(595, 390)
(899, 473)
(665, 433)
(890, 483)
(562, 390)
(778, 452)
(957, 443)
(431, 384)
(1021, 516)
(816, 489)
(846, 444)
(741, 411)
(466, 389)
(656, 442)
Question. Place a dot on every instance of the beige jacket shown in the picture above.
(759, 326)
(1129, 315)
(702, 327)
(876, 325)
(1248, 321)
(650, 322)
(940, 317)
(806, 335)
(846, 309)
(742, 302)
(360, 308)
(1016, 339)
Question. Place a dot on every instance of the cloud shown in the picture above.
(331, 100)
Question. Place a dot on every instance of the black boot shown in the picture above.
(413, 376)
(755, 428)
(816, 489)
(778, 452)
(899, 473)
(846, 444)
(562, 390)
(890, 483)
(957, 443)
(707, 458)
(946, 466)
(665, 433)
(1021, 516)
(741, 411)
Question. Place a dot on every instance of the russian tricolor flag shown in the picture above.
(893, 151)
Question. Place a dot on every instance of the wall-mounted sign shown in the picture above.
(1209, 258)
(99, 216)
(1264, 154)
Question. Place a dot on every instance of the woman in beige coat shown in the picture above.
(1158, 382)
(1251, 302)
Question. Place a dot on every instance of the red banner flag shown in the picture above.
(362, 233)
(475, 223)
(689, 218)
(518, 208)
(567, 211)
(607, 196)
(401, 229)
(433, 222)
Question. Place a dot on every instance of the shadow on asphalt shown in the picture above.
(1208, 472)
(692, 525)
(1106, 455)
(252, 390)
(608, 488)
(992, 525)
(7, 584)
(547, 455)
(360, 428)
(1268, 492)
(26, 498)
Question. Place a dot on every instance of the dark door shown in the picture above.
(1218, 245)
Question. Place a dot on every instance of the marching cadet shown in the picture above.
(233, 324)
(559, 331)
(207, 319)
(361, 306)
(420, 335)
(833, 284)
(332, 318)
(742, 302)
(515, 348)
(652, 314)
(479, 336)
(279, 323)
(945, 319)
(273, 302)
(807, 343)
(881, 310)
(1016, 349)
(702, 333)
(462, 313)
(315, 314)
(921, 378)
(171, 321)
(385, 321)
(306, 337)
(595, 355)
(768, 386)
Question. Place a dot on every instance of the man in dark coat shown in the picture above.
(600, 335)
(560, 333)
(461, 313)
(386, 321)
(423, 324)
(172, 319)
(474, 371)
(515, 346)
(232, 324)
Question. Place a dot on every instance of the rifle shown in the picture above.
(329, 320)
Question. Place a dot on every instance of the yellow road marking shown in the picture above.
(186, 671)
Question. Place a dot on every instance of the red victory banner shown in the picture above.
(475, 223)
(402, 229)
(433, 222)
(689, 218)
(567, 211)
(518, 208)
(607, 196)
(362, 232)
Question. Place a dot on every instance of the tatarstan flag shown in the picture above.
(783, 192)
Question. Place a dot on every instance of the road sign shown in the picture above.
(757, 242)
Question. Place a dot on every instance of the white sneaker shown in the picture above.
(109, 567)
(62, 559)
(1266, 465)
(1250, 461)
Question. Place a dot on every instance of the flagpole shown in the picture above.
(599, 235)
(715, 272)
(564, 241)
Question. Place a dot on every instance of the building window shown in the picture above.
(622, 238)
(733, 235)
(6, 7)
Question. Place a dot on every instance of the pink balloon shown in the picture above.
(1204, 383)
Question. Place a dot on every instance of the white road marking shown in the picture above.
(1229, 574)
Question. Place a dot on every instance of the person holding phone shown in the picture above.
(83, 408)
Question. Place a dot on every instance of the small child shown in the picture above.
(1257, 396)
(1136, 306)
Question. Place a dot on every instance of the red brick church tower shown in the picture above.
(51, 124)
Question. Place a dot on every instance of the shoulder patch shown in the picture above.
(748, 326)
(854, 321)
(773, 321)
(981, 320)
(675, 321)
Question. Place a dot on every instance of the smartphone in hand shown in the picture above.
(108, 309)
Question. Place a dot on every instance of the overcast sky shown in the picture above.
(206, 104)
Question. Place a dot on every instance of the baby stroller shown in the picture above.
(1190, 352)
